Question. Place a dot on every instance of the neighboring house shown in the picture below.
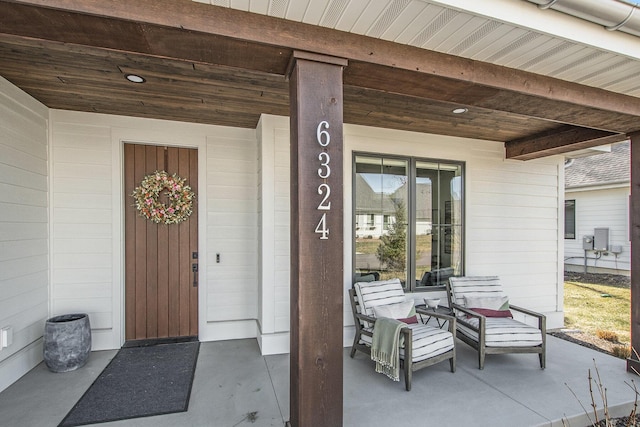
(272, 110)
(374, 211)
(597, 196)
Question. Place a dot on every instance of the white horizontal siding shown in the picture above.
(512, 227)
(24, 242)
(232, 231)
(82, 217)
(601, 208)
(282, 241)
(273, 139)
(275, 228)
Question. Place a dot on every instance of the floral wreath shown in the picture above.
(180, 198)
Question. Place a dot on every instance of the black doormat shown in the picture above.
(139, 382)
(156, 341)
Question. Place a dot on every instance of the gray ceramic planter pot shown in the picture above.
(67, 342)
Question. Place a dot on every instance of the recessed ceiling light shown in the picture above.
(134, 78)
(459, 111)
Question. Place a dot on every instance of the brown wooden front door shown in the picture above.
(161, 293)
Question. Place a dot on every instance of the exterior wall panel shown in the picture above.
(232, 219)
(81, 196)
(24, 231)
(597, 208)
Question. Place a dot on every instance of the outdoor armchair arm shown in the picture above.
(526, 311)
(466, 311)
(451, 319)
(481, 319)
(372, 320)
(366, 318)
(542, 319)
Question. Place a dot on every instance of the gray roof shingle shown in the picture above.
(600, 169)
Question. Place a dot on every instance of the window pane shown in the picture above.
(381, 195)
(438, 233)
(425, 216)
(569, 219)
(394, 211)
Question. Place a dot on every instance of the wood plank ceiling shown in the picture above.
(214, 65)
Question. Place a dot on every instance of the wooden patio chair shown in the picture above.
(429, 344)
(484, 319)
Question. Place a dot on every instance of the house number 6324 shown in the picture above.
(324, 138)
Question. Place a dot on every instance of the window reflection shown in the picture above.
(381, 199)
(438, 223)
(408, 220)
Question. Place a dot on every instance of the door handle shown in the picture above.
(194, 268)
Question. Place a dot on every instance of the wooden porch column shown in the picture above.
(633, 364)
(317, 290)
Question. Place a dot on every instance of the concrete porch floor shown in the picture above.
(235, 386)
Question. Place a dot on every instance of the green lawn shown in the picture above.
(423, 256)
(367, 246)
(591, 307)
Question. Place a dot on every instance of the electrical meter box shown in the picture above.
(601, 239)
(587, 243)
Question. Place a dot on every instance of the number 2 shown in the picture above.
(324, 205)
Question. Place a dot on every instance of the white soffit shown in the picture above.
(511, 33)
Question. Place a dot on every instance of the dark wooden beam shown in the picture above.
(559, 141)
(497, 94)
(633, 363)
(119, 33)
(317, 290)
(378, 64)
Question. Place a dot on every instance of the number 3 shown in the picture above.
(325, 163)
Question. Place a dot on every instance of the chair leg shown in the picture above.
(407, 375)
(481, 358)
(452, 363)
(543, 360)
(408, 357)
(356, 340)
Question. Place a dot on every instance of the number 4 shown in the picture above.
(322, 228)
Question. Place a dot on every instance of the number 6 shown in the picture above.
(323, 136)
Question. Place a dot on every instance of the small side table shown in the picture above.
(423, 310)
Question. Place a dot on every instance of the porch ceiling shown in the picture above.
(214, 65)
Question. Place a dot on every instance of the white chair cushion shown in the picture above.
(479, 286)
(384, 292)
(504, 332)
(427, 341)
(491, 303)
(401, 310)
(474, 287)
